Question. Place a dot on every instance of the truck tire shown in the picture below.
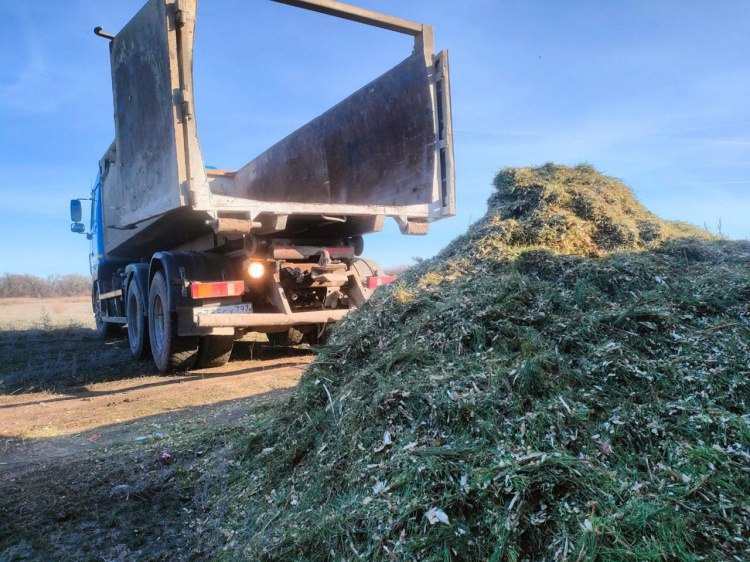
(135, 308)
(214, 351)
(170, 352)
(103, 329)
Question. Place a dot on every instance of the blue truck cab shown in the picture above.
(98, 262)
(95, 232)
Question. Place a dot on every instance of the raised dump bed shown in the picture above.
(191, 258)
(385, 151)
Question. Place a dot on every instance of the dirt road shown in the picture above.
(38, 426)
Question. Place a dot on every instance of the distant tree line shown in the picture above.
(25, 285)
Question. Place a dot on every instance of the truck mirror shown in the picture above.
(78, 227)
(75, 212)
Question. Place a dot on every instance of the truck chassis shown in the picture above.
(189, 257)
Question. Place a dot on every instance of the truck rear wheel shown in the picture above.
(170, 352)
(103, 329)
(214, 351)
(135, 309)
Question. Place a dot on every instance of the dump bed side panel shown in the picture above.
(374, 148)
(148, 181)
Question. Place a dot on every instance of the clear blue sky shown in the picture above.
(656, 93)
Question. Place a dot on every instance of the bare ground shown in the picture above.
(35, 428)
(53, 410)
(84, 429)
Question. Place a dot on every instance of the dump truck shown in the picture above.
(189, 257)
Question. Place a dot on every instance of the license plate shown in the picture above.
(241, 308)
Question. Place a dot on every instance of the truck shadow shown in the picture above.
(40, 360)
(69, 358)
(151, 431)
(78, 393)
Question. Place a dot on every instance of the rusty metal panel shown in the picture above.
(374, 148)
(148, 182)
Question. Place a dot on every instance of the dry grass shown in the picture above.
(52, 358)
(574, 211)
(50, 343)
(118, 502)
(121, 503)
(27, 313)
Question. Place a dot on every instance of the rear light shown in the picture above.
(256, 269)
(218, 289)
(376, 281)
